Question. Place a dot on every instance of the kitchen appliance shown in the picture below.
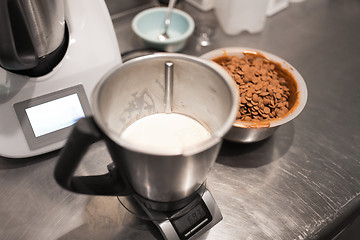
(203, 214)
(52, 55)
(160, 179)
(32, 36)
(197, 216)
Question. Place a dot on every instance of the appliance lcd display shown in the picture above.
(54, 115)
(48, 119)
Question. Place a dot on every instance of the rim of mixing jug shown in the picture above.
(216, 136)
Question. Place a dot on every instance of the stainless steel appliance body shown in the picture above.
(194, 87)
(32, 31)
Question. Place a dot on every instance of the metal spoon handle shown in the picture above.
(168, 14)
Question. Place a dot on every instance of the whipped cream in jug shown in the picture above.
(166, 131)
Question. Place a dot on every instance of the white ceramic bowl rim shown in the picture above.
(176, 39)
(302, 89)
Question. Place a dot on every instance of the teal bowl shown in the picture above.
(149, 24)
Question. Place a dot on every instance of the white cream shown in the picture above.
(170, 131)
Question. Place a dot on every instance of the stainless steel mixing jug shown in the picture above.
(160, 83)
(32, 35)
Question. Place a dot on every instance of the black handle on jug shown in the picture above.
(16, 49)
(85, 133)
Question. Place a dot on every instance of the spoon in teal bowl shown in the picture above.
(164, 36)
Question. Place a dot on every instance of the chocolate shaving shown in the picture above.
(264, 93)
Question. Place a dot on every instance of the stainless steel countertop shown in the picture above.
(302, 183)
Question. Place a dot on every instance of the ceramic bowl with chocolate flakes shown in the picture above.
(272, 92)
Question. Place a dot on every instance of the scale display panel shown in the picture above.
(193, 221)
(49, 118)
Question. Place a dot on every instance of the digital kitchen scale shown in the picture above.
(37, 113)
(188, 223)
(199, 219)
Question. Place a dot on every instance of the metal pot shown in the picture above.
(199, 89)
